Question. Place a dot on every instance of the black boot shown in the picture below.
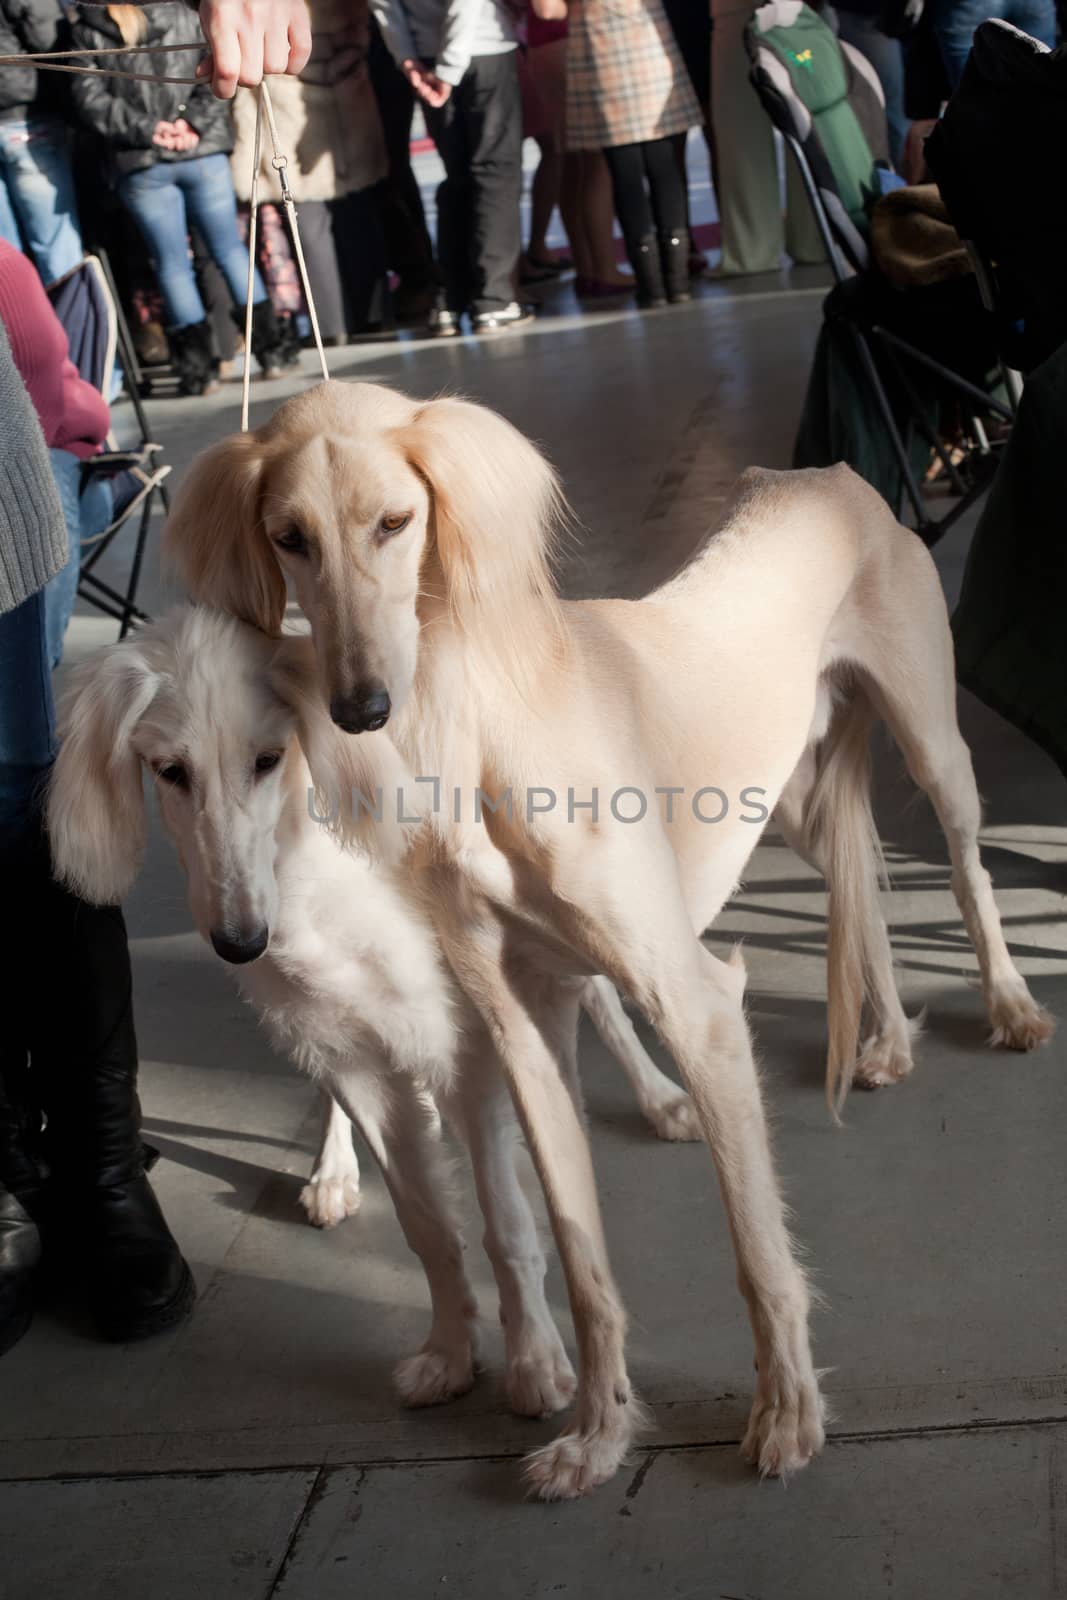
(274, 352)
(648, 272)
(674, 255)
(21, 1191)
(83, 1061)
(195, 362)
(20, 1255)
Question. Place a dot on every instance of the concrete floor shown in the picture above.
(259, 1452)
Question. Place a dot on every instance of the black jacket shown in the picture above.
(124, 112)
(32, 25)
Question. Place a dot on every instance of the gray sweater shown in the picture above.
(448, 32)
(33, 536)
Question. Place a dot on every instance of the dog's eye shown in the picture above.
(174, 774)
(393, 522)
(292, 540)
(267, 762)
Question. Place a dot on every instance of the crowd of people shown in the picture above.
(158, 171)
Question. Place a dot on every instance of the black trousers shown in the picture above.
(478, 134)
(407, 237)
(640, 209)
(344, 246)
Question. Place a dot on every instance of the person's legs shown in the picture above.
(491, 106)
(750, 206)
(666, 185)
(598, 209)
(209, 196)
(1035, 17)
(632, 207)
(9, 227)
(667, 191)
(447, 127)
(408, 244)
(954, 22)
(324, 273)
(41, 191)
(547, 66)
(626, 163)
(27, 718)
(359, 245)
(157, 205)
(60, 592)
(886, 55)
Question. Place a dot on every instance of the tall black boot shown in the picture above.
(648, 272)
(674, 255)
(83, 1061)
(195, 362)
(273, 351)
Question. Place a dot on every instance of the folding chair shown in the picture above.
(86, 304)
(825, 100)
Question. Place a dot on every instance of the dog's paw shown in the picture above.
(782, 1436)
(883, 1059)
(1019, 1023)
(673, 1118)
(435, 1375)
(329, 1201)
(540, 1381)
(581, 1458)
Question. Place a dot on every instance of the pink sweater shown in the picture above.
(73, 415)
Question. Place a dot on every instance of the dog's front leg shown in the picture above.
(332, 1192)
(532, 1019)
(403, 1135)
(539, 1379)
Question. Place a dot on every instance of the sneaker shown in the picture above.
(511, 316)
(442, 324)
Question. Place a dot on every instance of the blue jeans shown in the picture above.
(85, 513)
(38, 212)
(886, 56)
(954, 22)
(165, 200)
(27, 716)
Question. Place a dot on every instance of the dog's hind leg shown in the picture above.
(540, 1379)
(667, 1109)
(389, 1112)
(908, 662)
(332, 1192)
(885, 1052)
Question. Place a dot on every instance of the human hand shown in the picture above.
(164, 135)
(431, 89)
(249, 39)
(186, 136)
(549, 10)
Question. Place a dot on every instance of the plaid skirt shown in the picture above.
(626, 80)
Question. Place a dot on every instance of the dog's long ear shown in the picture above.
(362, 789)
(498, 510)
(214, 540)
(95, 804)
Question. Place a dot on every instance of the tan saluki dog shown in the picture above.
(418, 537)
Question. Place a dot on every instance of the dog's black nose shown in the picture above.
(239, 948)
(362, 712)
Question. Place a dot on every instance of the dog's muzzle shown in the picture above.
(363, 712)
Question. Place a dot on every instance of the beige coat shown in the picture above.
(328, 123)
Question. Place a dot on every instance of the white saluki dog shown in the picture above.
(334, 951)
(418, 538)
